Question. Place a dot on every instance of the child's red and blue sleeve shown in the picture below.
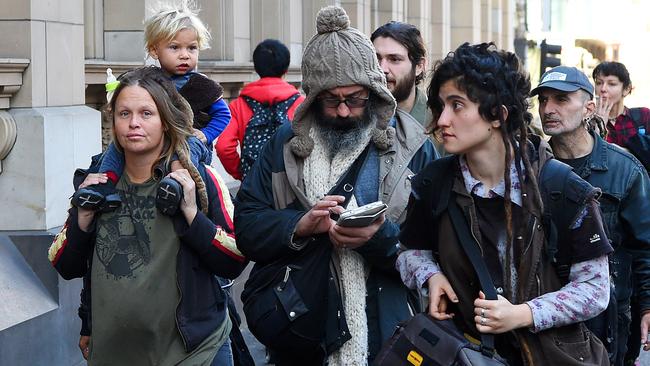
(219, 119)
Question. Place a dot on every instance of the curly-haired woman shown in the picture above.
(478, 96)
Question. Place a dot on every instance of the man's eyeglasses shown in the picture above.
(353, 102)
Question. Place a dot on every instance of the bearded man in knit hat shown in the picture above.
(346, 127)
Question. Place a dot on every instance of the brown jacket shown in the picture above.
(567, 345)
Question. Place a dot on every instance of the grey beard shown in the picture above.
(342, 135)
(342, 141)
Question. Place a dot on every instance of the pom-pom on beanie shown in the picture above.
(339, 55)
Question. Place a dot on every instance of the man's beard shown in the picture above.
(404, 86)
(342, 135)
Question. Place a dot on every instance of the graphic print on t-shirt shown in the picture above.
(123, 244)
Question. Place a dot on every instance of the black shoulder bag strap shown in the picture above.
(471, 249)
(345, 185)
(333, 330)
(639, 144)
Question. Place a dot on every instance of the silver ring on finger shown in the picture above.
(483, 320)
(482, 312)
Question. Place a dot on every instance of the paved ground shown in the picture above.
(257, 350)
(645, 358)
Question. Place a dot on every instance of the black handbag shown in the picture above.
(424, 340)
(287, 302)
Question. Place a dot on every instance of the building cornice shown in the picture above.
(96, 69)
(230, 72)
(224, 72)
(11, 79)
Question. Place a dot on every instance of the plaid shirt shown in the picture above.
(626, 127)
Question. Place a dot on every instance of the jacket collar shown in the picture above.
(409, 133)
(419, 110)
(598, 158)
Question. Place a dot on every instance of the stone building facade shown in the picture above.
(53, 57)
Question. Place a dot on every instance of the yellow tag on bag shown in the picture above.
(414, 358)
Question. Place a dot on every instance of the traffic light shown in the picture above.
(548, 59)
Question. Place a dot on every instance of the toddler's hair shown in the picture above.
(169, 19)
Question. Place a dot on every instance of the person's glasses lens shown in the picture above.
(350, 102)
(356, 102)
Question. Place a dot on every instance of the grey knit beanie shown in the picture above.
(336, 56)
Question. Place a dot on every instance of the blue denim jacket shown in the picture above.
(625, 204)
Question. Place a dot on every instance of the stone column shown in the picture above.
(440, 43)
(123, 28)
(54, 134)
(465, 22)
(509, 24)
(219, 16)
(497, 21)
(309, 10)
(486, 20)
(419, 14)
(281, 20)
(386, 10)
(7, 135)
(295, 38)
(94, 29)
(359, 13)
(56, 131)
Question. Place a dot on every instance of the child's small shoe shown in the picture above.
(169, 196)
(98, 197)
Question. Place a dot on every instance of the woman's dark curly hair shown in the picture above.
(493, 79)
(490, 77)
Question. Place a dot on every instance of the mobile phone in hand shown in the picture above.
(361, 216)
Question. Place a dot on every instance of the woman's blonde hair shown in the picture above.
(169, 19)
(175, 114)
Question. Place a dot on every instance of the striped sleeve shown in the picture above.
(58, 245)
(224, 238)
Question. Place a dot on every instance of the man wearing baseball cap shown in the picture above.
(565, 108)
(565, 78)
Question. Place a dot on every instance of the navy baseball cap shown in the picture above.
(564, 78)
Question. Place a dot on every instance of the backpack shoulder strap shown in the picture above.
(635, 113)
(269, 114)
(564, 194)
(252, 103)
(471, 249)
(552, 180)
(289, 101)
(433, 184)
